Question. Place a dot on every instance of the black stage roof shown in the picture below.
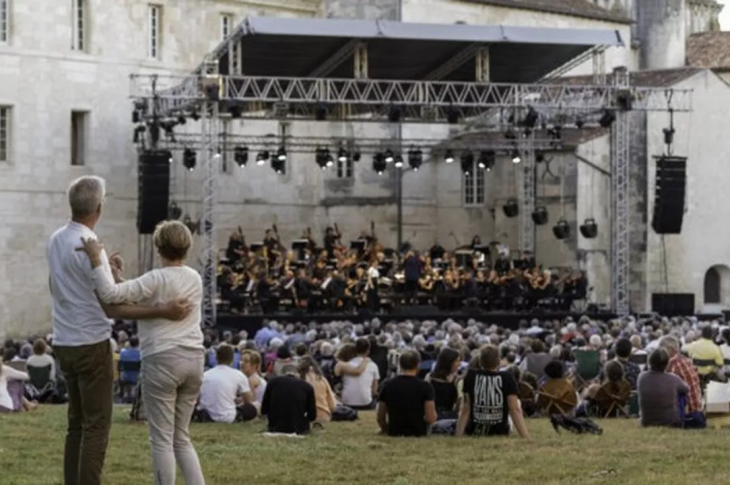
(285, 47)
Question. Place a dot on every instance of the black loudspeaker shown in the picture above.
(511, 208)
(540, 216)
(673, 304)
(589, 229)
(154, 189)
(561, 230)
(671, 180)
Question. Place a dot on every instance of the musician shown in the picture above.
(236, 248)
(331, 239)
(272, 248)
(476, 241)
(436, 252)
(269, 301)
(371, 288)
(503, 265)
(527, 261)
(413, 267)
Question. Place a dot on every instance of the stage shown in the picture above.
(251, 323)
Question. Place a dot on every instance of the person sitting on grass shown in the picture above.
(443, 380)
(659, 393)
(289, 403)
(225, 396)
(251, 368)
(631, 371)
(358, 388)
(490, 399)
(310, 371)
(613, 378)
(406, 405)
(11, 391)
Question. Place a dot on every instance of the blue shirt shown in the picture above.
(131, 354)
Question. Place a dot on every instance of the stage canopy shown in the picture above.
(297, 48)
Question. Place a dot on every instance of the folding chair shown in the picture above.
(557, 397)
(40, 377)
(704, 379)
(639, 359)
(588, 367)
(526, 394)
(612, 399)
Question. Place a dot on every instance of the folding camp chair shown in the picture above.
(557, 396)
(612, 399)
(526, 394)
(588, 367)
(704, 379)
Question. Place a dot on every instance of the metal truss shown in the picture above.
(526, 190)
(620, 194)
(255, 93)
(209, 245)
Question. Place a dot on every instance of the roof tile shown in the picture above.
(709, 50)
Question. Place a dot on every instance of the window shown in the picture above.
(155, 34)
(226, 22)
(473, 184)
(5, 132)
(4, 20)
(79, 122)
(78, 42)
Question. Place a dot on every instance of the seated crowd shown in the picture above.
(466, 378)
(366, 276)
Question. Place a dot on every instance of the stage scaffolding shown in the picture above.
(360, 99)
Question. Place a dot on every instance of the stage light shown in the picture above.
(607, 119)
(625, 100)
(356, 156)
(415, 158)
(189, 159)
(539, 156)
(236, 110)
(321, 158)
(453, 116)
(561, 230)
(467, 162)
(181, 120)
(531, 118)
(138, 132)
(579, 123)
(328, 157)
(394, 114)
(389, 156)
(379, 164)
(281, 154)
(320, 112)
(342, 155)
(136, 118)
(589, 229)
(398, 161)
(540, 216)
(511, 208)
(449, 157)
(278, 165)
(510, 134)
(240, 156)
(262, 157)
(486, 160)
(516, 158)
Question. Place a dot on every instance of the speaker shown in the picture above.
(540, 216)
(671, 180)
(673, 304)
(561, 230)
(153, 171)
(511, 208)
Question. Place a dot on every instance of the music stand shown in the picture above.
(358, 245)
(256, 247)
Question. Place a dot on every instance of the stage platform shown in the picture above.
(253, 322)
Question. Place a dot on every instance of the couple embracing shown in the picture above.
(88, 291)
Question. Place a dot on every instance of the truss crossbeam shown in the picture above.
(437, 94)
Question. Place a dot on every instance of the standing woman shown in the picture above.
(172, 352)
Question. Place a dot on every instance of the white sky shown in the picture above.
(725, 15)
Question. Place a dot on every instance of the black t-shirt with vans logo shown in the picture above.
(488, 392)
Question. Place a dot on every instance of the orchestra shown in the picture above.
(367, 277)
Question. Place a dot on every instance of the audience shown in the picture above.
(11, 391)
(406, 404)
(251, 368)
(358, 390)
(225, 395)
(660, 392)
(310, 371)
(40, 358)
(289, 403)
(442, 379)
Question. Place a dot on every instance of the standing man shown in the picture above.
(82, 330)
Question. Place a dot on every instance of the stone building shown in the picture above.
(65, 112)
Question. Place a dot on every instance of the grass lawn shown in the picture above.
(31, 450)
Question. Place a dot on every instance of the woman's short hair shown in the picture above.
(173, 240)
(659, 360)
(40, 347)
(614, 371)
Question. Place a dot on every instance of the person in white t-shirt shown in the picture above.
(226, 395)
(358, 391)
(251, 368)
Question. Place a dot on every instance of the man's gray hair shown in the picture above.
(669, 343)
(86, 194)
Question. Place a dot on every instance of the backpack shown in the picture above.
(344, 413)
(575, 425)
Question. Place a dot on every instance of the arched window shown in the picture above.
(713, 286)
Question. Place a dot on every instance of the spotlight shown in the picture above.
(379, 164)
(342, 155)
(356, 156)
(561, 230)
(281, 154)
(278, 165)
(320, 156)
(511, 208)
(486, 160)
(189, 159)
(510, 134)
(388, 156)
(531, 118)
(539, 156)
(195, 115)
(579, 123)
(236, 110)
(540, 216)
(394, 114)
(467, 162)
(449, 157)
(415, 158)
(607, 119)
(398, 161)
(453, 116)
(181, 120)
(240, 155)
(516, 158)
(138, 131)
(262, 157)
(136, 118)
(169, 127)
(625, 100)
(320, 112)
(589, 229)
(329, 161)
